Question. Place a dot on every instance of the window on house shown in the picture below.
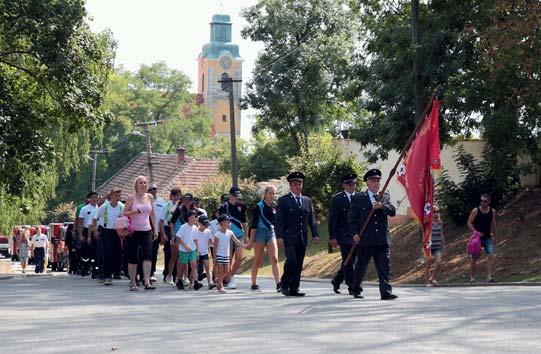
(224, 118)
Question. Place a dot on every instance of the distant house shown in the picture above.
(169, 171)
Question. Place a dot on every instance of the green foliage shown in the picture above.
(154, 92)
(53, 75)
(304, 65)
(324, 164)
(210, 192)
(458, 200)
(483, 55)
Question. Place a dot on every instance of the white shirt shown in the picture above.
(299, 200)
(159, 205)
(203, 238)
(214, 226)
(372, 197)
(40, 241)
(223, 242)
(95, 216)
(112, 214)
(349, 195)
(86, 214)
(187, 234)
(167, 212)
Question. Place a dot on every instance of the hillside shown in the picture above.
(518, 249)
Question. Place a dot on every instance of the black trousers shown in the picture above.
(345, 272)
(39, 257)
(97, 257)
(72, 260)
(85, 254)
(166, 251)
(112, 252)
(294, 252)
(381, 255)
(155, 249)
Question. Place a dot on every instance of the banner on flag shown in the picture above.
(416, 172)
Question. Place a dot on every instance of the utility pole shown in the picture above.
(146, 126)
(234, 169)
(95, 166)
(417, 90)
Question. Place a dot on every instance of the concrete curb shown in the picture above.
(396, 285)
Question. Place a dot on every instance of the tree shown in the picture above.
(303, 67)
(324, 164)
(482, 54)
(53, 76)
(154, 92)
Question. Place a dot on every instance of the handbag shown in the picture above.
(123, 226)
(474, 244)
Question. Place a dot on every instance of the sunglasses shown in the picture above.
(484, 201)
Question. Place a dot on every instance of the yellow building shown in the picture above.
(220, 59)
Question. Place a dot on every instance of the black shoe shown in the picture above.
(357, 296)
(201, 276)
(180, 285)
(350, 292)
(296, 293)
(389, 297)
(285, 292)
(335, 287)
(197, 285)
(279, 287)
(255, 288)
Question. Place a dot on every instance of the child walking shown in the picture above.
(203, 240)
(437, 245)
(188, 251)
(222, 243)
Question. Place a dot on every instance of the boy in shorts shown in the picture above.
(203, 240)
(188, 251)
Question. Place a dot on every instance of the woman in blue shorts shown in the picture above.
(262, 236)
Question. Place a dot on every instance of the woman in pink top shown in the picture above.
(140, 209)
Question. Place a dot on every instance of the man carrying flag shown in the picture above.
(416, 172)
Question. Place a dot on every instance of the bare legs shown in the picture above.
(272, 250)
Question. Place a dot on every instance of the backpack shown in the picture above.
(474, 244)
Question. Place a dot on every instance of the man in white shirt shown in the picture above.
(85, 218)
(106, 215)
(159, 204)
(40, 246)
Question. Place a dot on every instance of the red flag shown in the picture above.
(415, 172)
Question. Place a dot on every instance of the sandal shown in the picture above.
(134, 288)
(149, 287)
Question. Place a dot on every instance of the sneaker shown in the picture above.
(108, 281)
(212, 286)
(201, 276)
(197, 286)
(232, 284)
(255, 288)
(180, 285)
(169, 279)
(24, 271)
(153, 279)
(279, 287)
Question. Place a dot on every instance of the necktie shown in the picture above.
(298, 201)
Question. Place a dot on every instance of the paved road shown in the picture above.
(61, 314)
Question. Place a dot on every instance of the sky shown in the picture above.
(173, 31)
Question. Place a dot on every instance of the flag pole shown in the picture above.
(393, 170)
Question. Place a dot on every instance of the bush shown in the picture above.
(209, 193)
(457, 200)
(323, 164)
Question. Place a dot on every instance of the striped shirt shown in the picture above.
(436, 241)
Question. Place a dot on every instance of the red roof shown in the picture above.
(189, 175)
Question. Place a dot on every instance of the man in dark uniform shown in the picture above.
(339, 230)
(375, 242)
(294, 214)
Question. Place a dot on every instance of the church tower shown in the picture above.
(220, 59)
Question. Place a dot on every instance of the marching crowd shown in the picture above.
(198, 245)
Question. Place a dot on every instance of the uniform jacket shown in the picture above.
(292, 222)
(377, 231)
(338, 219)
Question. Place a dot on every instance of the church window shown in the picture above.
(225, 85)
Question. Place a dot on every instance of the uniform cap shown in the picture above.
(235, 191)
(223, 217)
(188, 196)
(373, 173)
(296, 176)
(351, 177)
(203, 220)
